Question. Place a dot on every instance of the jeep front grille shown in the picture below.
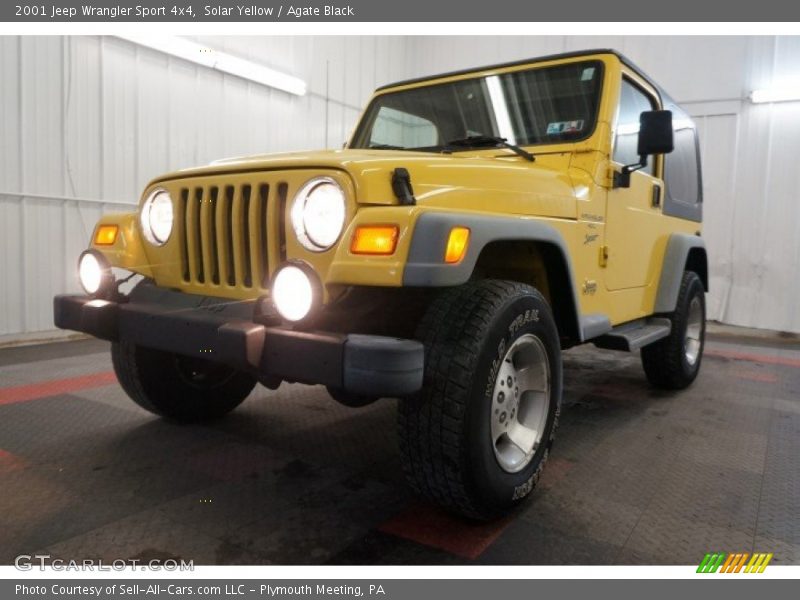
(224, 232)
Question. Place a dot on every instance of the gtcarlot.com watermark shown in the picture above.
(42, 562)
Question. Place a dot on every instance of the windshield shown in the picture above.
(538, 106)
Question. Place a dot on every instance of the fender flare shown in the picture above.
(425, 266)
(676, 257)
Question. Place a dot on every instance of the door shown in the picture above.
(633, 215)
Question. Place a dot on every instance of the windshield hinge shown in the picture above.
(401, 185)
(611, 177)
(603, 256)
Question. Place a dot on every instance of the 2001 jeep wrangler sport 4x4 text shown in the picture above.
(476, 223)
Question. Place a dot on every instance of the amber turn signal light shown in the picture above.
(375, 239)
(106, 235)
(456, 245)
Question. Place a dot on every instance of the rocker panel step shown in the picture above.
(635, 335)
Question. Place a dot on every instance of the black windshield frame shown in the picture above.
(360, 138)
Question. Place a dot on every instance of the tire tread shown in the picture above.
(431, 427)
(663, 360)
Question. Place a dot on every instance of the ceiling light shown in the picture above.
(220, 61)
(775, 95)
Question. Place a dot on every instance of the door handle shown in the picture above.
(656, 199)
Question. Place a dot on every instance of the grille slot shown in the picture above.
(206, 235)
(213, 243)
(193, 236)
(227, 216)
(247, 267)
(260, 266)
(181, 220)
(224, 234)
(283, 192)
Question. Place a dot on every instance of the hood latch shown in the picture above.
(401, 185)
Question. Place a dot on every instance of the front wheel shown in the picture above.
(477, 436)
(673, 362)
(178, 387)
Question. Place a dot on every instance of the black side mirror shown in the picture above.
(655, 137)
(655, 133)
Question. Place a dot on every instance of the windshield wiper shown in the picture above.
(385, 147)
(476, 141)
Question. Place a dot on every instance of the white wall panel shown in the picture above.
(718, 139)
(87, 121)
(12, 303)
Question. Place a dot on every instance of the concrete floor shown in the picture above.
(637, 476)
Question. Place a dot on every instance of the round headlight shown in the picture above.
(293, 292)
(157, 216)
(318, 214)
(93, 272)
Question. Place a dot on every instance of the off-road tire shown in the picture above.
(158, 382)
(664, 361)
(444, 430)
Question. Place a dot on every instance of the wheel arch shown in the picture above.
(684, 253)
(490, 236)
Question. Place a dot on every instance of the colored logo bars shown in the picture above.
(734, 563)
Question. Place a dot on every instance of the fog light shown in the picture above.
(93, 272)
(295, 290)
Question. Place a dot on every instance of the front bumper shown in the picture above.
(224, 332)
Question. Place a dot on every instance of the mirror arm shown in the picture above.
(622, 179)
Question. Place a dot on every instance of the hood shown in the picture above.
(472, 180)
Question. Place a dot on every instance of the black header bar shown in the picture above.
(232, 11)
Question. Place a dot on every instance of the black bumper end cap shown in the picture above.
(93, 316)
(382, 366)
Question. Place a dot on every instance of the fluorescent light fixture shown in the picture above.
(220, 61)
(775, 95)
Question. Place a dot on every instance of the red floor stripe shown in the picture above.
(557, 469)
(433, 527)
(34, 391)
(9, 462)
(756, 376)
(760, 358)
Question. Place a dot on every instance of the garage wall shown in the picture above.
(85, 122)
(750, 152)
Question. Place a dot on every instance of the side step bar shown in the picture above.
(634, 335)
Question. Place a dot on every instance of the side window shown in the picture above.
(682, 170)
(633, 102)
(681, 165)
(398, 128)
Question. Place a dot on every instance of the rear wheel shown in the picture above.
(673, 362)
(477, 436)
(178, 387)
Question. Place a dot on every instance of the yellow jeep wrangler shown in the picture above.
(475, 224)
